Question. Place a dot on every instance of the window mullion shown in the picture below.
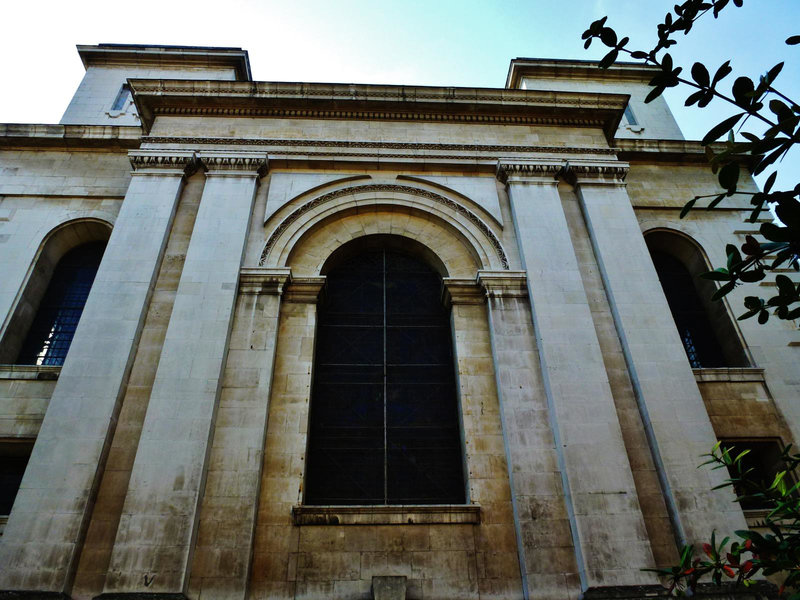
(385, 397)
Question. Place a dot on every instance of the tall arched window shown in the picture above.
(384, 426)
(53, 327)
(706, 330)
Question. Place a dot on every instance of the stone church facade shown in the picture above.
(293, 340)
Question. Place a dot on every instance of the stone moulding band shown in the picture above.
(586, 171)
(457, 514)
(382, 187)
(260, 280)
(534, 169)
(181, 161)
(489, 148)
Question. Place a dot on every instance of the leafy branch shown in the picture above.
(780, 116)
(774, 553)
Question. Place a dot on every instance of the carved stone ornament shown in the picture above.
(304, 290)
(461, 291)
(161, 161)
(504, 284)
(385, 187)
(235, 162)
(589, 171)
(534, 170)
(261, 280)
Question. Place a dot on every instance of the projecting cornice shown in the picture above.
(531, 170)
(232, 163)
(376, 102)
(24, 135)
(164, 161)
(589, 172)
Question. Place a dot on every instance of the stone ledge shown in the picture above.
(760, 591)
(730, 374)
(32, 595)
(454, 514)
(35, 372)
(140, 596)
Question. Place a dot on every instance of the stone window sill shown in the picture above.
(454, 514)
(39, 372)
(729, 374)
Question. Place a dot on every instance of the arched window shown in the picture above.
(706, 330)
(53, 327)
(384, 425)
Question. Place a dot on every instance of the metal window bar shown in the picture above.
(384, 422)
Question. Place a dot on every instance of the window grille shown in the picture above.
(699, 339)
(54, 326)
(384, 426)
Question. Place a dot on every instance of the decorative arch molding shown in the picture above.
(374, 190)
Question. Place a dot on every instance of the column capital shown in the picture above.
(264, 280)
(164, 162)
(461, 291)
(529, 171)
(234, 163)
(504, 284)
(304, 290)
(596, 172)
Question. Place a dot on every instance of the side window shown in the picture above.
(760, 465)
(14, 455)
(384, 426)
(53, 327)
(706, 329)
(630, 118)
(123, 97)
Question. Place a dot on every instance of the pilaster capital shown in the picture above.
(582, 172)
(234, 163)
(264, 280)
(164, 162)
(304, 290)
(461, 291)
(504, 284)
(529, 171)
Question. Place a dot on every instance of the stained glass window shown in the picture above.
(57, 318)
(384, 426)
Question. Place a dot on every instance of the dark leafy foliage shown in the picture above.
(755, 99)
(775, 552)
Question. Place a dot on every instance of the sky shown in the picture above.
(413, 42)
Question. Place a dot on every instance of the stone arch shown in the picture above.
(689, 253)
(385, 209)
(55, 244)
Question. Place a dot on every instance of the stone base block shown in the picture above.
(762, 590)
(389, 588)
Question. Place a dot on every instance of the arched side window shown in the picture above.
(384, 425)
(708, 335)
(53, 327)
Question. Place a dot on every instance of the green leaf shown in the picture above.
(723, 290)
(785, 286)
(770, 182)
(609, 59)
(788, 212)
(772, 74)
(717, 275)
(655, 93)
(700, 74)
(729, 175)
(723, 71)
(776, 234)
(793, 40)
(722, 128)
(763, 317)
(687, 207)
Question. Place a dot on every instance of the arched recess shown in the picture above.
(709, 334)
(384, 423)
(57, 244)
(450, 229)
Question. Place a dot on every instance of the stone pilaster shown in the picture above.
(44, 535)
(497, 542)
(158, 527)
(222, 562)
(673, 414)
(606, 523)
(276, 537)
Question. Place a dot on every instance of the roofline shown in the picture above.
(158, 54)
(574, 69)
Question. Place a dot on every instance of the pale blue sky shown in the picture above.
(444, 42)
